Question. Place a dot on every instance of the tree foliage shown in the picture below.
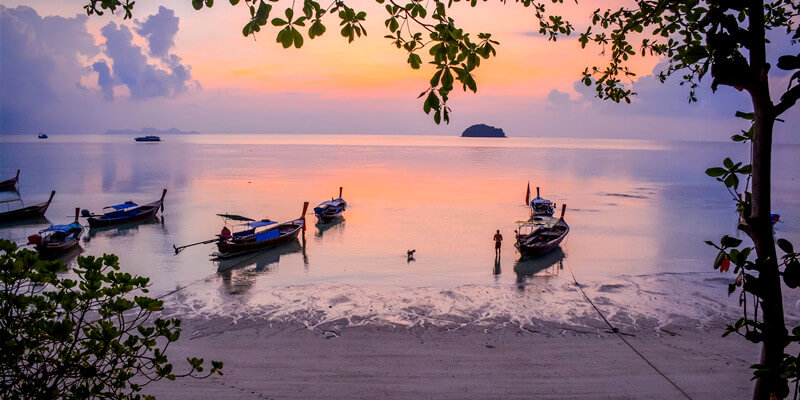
(422, 29)
(88, 337)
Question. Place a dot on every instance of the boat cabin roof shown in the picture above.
(258, 224)
(331, 202)
(235, 217)
(539, 200)
(127, 204)
(537, 222)
(62, 228)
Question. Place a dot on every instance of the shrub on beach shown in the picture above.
(90, 336)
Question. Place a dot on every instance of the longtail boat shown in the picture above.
(330, 210)
(34, 211)
(259, 235)
(540, 206)
(57, 239)
(125, 213)
(536, 237)
(10, 184)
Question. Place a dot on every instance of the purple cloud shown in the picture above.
(159, 29)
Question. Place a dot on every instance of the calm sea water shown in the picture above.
(637, 209)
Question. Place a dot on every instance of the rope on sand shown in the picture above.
(619, 334)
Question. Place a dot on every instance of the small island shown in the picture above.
(483, 130)
(147, 131)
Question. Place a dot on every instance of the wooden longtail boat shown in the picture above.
(125, 213)
(57, 239)
(330, 210)
(34, 211)
(254, 238)
(10, 184)
(540, 206)
(537, 237)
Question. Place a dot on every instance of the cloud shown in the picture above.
(37, 54)
(558, 97)
(50, 65)
(132, 68)
(159, 29)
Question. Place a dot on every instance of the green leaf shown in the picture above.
(278, 22)
(786, 246)
(234, 2)
(728, 241)
(298, 38)
(715, 172)
(743, 115)
(728, 163)
(415, 60)
(263, 12)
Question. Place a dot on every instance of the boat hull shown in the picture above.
(9, 185)
(30, 212)
(541, 248)
(147, 212)
(328, 218)
(52, 250)
(288, 232)
(136, 215)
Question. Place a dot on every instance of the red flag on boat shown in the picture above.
(528, 195)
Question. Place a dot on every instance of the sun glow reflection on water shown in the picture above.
(636, 208)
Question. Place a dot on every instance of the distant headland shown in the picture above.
(147, 131)
(483, 130)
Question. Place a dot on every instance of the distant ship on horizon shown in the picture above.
(148, 138)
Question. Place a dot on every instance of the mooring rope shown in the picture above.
(619, 334)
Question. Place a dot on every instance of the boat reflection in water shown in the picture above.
(69, 257)
(123, 230)
(335, 226)
(237, 274)
(545, 266)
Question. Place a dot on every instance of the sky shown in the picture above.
(171, 66)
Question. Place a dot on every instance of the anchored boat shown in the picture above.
(126, 212)
(538, 237)
(540, 206)
(148, 138)
(57, 239)
(329, 211)
(258, 235)
(10, 184)
(34, 211)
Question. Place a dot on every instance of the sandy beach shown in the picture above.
(280, 361)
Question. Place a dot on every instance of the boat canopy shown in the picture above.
(539, 200)
(127, 204)
(235, 217)
(259, 224)
(62, 228)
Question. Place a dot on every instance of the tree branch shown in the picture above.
(788, 100)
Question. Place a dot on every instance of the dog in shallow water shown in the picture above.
(410, 255)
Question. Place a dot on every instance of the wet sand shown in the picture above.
(549, 361)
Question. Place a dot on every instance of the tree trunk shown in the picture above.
(758, 225)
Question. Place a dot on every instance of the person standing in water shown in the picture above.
(498, 239)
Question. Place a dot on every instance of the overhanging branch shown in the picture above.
(788, 100)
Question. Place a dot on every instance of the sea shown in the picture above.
(639, 213)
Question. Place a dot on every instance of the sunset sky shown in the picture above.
(63, 72)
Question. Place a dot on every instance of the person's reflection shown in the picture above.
(496, 271)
